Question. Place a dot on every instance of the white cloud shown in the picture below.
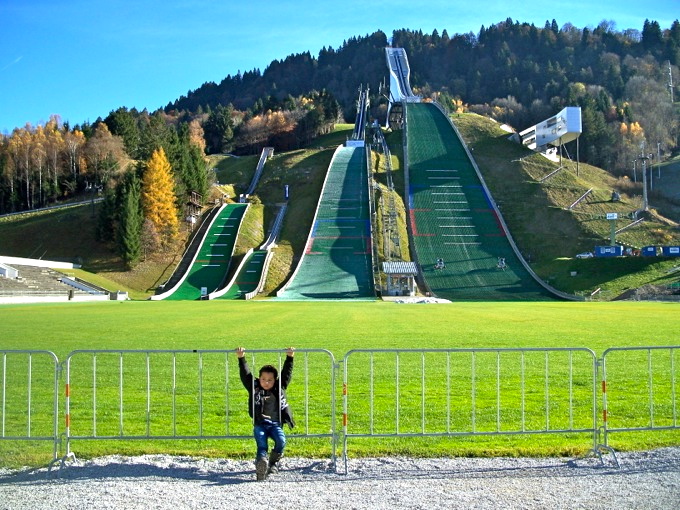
(15, 61)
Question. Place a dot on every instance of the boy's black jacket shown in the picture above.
(251, 383)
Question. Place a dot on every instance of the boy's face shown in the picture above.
(267, 380)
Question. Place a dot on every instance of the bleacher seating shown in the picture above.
(34, 283)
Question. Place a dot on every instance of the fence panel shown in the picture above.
(640, 389)
(188, 394)
(467, 392)
(29, 396)
(197, 394)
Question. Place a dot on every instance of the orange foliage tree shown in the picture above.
(158, 196)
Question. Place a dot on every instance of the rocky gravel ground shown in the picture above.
(643, 480)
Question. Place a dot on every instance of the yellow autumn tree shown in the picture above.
(636, 130)
(197, 135)
(158, 196)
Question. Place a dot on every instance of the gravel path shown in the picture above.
(644, 480)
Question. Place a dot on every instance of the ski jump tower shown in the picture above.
(400, 89)
(554, 132)
(359, 133)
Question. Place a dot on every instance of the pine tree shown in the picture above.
(158, 196)
(107, 215)
(219, 130)
(130, 222)
(123, 123)
(189, 165)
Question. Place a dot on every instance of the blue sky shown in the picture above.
(81, 59)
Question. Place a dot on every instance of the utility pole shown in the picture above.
(634, 171)
(644, 157)
(670, 80)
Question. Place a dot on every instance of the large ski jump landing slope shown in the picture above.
(452, 218)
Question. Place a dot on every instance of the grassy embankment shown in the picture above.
(537, 210)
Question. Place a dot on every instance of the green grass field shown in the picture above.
(340, 327)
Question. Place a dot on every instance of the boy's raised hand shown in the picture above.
(240, 352)
(290, 351)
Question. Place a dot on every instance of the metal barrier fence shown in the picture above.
(186, 394)
(29, 403)
(650, 374)
(390, 393)
(468, 392)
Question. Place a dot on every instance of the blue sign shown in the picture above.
(608, 251)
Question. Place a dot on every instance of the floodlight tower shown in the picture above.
(612, 217)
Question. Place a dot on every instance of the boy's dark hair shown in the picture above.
(270, 369)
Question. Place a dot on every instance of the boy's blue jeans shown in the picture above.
(264, 430)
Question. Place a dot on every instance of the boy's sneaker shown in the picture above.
(261, 466)
(274, 458)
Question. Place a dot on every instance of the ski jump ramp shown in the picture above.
(251, 274)
(400, 87)
(400, 74)
(210, 265)
(458, 236)
(337, 262)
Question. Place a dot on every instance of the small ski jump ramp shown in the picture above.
(210, 266)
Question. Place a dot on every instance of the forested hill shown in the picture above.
(361, 60)
(515, 72)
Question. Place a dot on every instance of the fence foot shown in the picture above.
(52, 463)
(62, 462)
(599, 450)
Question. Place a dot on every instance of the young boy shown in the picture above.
(269, 409)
